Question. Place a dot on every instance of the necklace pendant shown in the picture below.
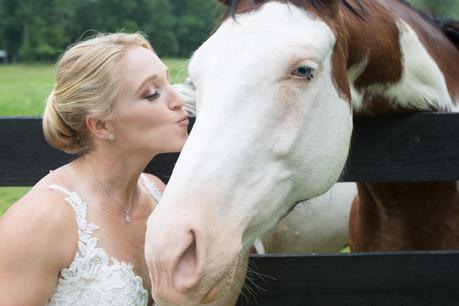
(127, 218)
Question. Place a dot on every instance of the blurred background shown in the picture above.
(38, 30)
(33, 33)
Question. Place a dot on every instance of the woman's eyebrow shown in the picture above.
(148, 79)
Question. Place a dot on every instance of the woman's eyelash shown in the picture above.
(153, 96)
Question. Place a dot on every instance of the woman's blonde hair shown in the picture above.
(87, 84)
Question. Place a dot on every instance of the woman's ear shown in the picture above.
(98, 128)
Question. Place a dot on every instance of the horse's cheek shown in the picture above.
(288, 115)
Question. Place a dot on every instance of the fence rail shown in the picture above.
(421, 278)
(406, 148)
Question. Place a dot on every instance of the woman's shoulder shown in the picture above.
(41, 220)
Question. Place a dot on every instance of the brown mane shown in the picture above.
(448, 27)
(233, 6)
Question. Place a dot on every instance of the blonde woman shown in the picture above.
(77, 238)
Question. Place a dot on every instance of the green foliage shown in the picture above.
(159, 25)
(34, 30)
(194, 23)
(443, 8)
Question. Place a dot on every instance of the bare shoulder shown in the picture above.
(39, 238)
(156, 180)
(41, 221)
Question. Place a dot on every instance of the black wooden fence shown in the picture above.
(407, 148)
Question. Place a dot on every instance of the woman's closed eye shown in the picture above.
(152, 96)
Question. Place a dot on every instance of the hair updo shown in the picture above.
(86, 85)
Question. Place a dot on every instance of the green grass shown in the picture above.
(23, 90)
(9, 195)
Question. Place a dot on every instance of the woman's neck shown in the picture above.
(115, 175)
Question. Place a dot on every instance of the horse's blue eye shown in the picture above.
(305, 72)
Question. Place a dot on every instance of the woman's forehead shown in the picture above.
(140, 64)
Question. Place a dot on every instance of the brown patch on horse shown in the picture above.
(441, 48)
(377, 39)
(399, 216)
(376, 105)
(334, 18)
(371, 36)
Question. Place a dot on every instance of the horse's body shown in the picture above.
(319, 225)
(276, 87)
(405, 216)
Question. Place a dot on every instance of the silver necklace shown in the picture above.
(127, 218)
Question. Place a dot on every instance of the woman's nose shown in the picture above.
(176, 100)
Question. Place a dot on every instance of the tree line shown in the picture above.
(39, 30)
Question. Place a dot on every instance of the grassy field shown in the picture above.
(23, 91)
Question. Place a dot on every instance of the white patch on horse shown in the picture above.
(353, 74)
(422, 86)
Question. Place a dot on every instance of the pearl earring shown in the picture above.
(110, 137)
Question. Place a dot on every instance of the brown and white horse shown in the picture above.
(277, 86)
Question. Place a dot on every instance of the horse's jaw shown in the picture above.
(262, 142)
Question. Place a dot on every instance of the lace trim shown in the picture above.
(85, 230)
(93, 263)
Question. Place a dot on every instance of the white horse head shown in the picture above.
(273, 128)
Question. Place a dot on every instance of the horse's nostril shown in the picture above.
(188, 270)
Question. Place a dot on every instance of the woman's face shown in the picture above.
(149, 113)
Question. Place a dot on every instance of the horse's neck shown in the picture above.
(405, 216)
(398, 61)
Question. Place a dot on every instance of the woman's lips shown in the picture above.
(183, 121)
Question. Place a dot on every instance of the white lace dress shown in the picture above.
(93, 277)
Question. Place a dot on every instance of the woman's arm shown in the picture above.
(38, 238)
